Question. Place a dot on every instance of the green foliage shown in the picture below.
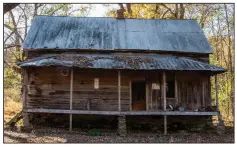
(65, 9)
(12, 76)
(148, 11)
(94, 132)
(12, 79)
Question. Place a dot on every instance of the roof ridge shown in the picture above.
(113, 17)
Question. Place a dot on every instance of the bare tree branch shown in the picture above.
(8, 37)
(42, 10)
(9, 7)
(164, 14)
(55, 10)
(10, 46)
(13, 30)
(121, 7)
(168, 9)
(25, 18)
(129, 8)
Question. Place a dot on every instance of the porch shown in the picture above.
(123, 97)
(115, 87)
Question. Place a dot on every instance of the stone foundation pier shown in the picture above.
(122, 128)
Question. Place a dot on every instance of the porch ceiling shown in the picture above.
(132, 62)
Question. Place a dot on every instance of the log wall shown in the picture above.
(48, 88)
(190, 90)
(52, 90)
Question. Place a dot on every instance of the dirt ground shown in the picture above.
(52, 135)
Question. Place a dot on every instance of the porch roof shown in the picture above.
(116, 61)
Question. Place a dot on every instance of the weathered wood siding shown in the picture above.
(48, 88)
(104, 98)
(190, 90)
(52, 90)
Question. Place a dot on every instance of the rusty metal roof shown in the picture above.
(116, 61)
(50, 32)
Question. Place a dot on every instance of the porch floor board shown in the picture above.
(61, 111)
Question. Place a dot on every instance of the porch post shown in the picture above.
(71, 92)
(122, 128)
(164, 96)
(119, 91)
(203, 94)
(24, 96)
(216, 85)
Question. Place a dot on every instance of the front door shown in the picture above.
(139, 95)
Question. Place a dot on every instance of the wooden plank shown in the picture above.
(164, 96)
(71, 89)
(25, 83)
(203, 94)
(15, 119)
(71, 95)
(119, 91)
(63, 111)
(24, 98)
(176, 91)
(164, 90)
(130, 95)
(151, 97)
(156, 98)
(147, 95)
(216, 86)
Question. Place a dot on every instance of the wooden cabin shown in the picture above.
(116, 66)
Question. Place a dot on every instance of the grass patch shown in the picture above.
(12, 104)
(94, 132)
(12, 94)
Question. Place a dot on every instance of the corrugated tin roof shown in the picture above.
(103, 33)
(135, 62)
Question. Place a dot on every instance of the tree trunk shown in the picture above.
(230, 60)
(129, 8)
(182, 11)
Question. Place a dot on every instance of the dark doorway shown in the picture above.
(139, 95)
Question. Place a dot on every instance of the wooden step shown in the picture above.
(15, 119)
